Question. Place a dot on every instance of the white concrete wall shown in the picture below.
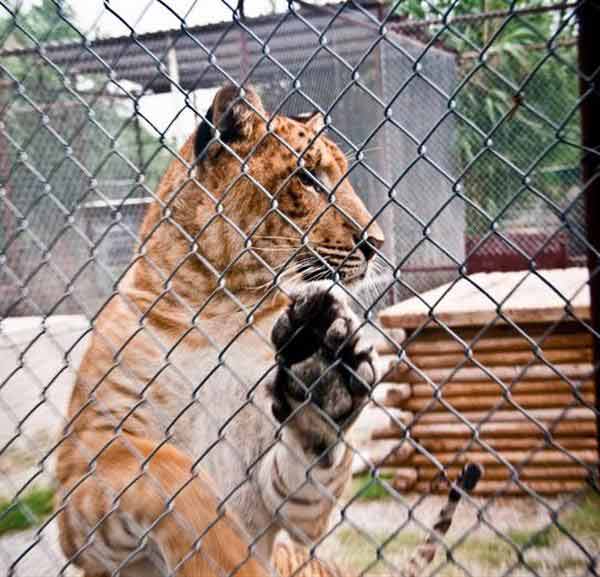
(38, 362)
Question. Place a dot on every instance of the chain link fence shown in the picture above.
(167, 411)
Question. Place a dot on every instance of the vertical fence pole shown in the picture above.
(386, 219)
(589, 65)
(7, 223)
(139, 145)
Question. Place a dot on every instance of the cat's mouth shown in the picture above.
(339, 266)
(314, 263)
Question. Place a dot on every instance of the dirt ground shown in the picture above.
(489, 537)
(37, 369)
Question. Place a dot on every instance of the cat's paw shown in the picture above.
(324, 361)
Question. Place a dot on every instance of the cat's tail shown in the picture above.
(424, 554)
(292, 561)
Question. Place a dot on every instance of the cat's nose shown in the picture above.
(368, 246)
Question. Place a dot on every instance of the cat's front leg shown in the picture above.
(325, 372)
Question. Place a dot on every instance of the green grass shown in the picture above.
(352, 538)
(583, 521)
(585, 518)
(359, 551)
(485, 552)
(521, 538)
(559, 567)
(27, 511)
(482, 554)
(369, 488)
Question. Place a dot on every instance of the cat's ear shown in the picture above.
(237, 113)
(314, 120)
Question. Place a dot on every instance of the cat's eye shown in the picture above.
(308, 178)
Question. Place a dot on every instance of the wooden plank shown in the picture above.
(505, 374)
(575, 422)
(373, 418)
(446, 344)
(479, 318)
(515, 417)
(391, 343)
(435, 445)
(404, 479)
(500, 358)
(575, 428)
(489, 388)
(540, 458)
(534, 330)
(381, 453)
(499, 473)
(361, 464)
(524, 298)
(392, 369)
(477, 403)
(505, 488)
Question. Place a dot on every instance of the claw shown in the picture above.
(320, 348)
(337, 333)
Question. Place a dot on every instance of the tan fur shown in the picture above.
(193, 513)
(173, 306)
(291, 560)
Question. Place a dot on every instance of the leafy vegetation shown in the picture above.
(39, 20)
(524, 538)
(518, 90)
(582, 520)
(585, 518)
(376, 551)
(27, 511)
(517, 95)
(69, 140)
(97, 139)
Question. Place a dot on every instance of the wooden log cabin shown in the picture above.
(494, 368)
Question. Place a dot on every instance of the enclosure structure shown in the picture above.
(477, 407)
(380, 111)
(464, 156)
(392, 114)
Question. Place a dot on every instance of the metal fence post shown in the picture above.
(589, 62)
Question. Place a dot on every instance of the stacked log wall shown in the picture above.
(518, 402)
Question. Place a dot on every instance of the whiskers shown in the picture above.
(276, 237)
(305, 267)
(376, 282)
(351, 154)
(300, 263)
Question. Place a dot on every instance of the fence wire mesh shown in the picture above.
(213, 363)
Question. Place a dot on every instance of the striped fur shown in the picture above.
(293, 561)
(174, 388)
